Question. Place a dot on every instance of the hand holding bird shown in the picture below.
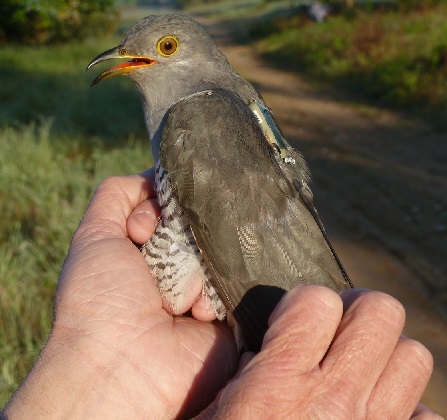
(237, 217)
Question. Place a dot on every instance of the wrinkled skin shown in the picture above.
(114, 352)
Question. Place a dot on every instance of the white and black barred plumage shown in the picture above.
(173, 254)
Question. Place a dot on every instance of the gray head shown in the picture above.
(172, 56)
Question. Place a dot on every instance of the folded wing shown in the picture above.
(253, 227)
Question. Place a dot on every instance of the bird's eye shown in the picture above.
(167, 45)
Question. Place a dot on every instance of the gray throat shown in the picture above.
(158, 97)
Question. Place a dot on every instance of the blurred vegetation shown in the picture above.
(58, 140)
(192, 3)
(146, 3)
(418, 4)
(402, 4)
(396, 55)
(37, 22)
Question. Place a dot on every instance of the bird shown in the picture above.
(238, 222)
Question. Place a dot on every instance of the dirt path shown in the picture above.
(380, 184)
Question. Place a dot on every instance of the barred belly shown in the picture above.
(173, 254)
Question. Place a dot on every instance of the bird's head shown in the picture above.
(168, 57)
(165, 43)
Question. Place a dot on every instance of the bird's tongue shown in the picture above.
(130, 65)
(124, 68)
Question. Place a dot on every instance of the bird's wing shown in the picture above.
(255, 232)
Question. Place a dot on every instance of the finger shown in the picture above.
(402, 382)
(245, 359)
(203, 310)
(349, 296)
(424, 413)
(112, 203)
(362, 347)
(300, 332)
(311, 315)
(143, 221)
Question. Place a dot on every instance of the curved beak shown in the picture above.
(136, 62)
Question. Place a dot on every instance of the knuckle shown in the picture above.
(111, 182)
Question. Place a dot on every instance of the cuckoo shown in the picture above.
(238, 224)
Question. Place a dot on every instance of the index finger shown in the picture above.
(364, 342)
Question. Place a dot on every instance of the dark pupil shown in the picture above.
(168, 46)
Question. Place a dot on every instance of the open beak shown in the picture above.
(136, 62)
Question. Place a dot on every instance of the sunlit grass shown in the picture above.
(398, 59)
(58, 139)
(44, 81)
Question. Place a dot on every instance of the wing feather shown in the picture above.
(257, 235)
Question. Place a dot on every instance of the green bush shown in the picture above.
(397, 58)
(44, 21)
(417, 4)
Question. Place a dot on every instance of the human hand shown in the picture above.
(115, 353)
(325, 357)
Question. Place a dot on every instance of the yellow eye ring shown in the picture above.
(168, 45)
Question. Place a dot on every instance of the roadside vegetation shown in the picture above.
(396, 56)
(58, 139)
(49, 21)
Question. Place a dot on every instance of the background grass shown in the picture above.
(398, 59)
(58, 140)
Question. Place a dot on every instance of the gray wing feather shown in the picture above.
(257, 236)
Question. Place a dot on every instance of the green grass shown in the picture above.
(51, 82)
(226, 9)
(58, 139)
(398, 59)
